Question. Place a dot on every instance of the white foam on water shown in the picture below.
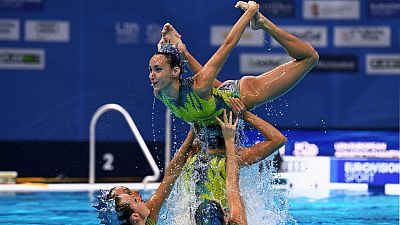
(264, 204)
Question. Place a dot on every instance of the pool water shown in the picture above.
(342, 207)
(345, 207)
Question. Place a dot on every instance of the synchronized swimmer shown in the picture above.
(130, 209)
(200, 100)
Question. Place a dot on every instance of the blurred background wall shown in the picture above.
(62, 59)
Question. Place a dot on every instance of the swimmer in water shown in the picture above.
(132, 210)
(129, 205)
(211, 212)
(205, 172)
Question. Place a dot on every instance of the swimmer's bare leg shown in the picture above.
(257, 90)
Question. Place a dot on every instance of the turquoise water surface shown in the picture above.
(342, 207)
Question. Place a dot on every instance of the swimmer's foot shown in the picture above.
(257, 22)
(169, 34)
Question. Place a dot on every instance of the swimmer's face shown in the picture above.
(118, 190)
(161, 74)
(133, 204)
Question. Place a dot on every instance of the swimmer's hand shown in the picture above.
(251, 5)
(238, 108)
(255, 22)
(228, 129)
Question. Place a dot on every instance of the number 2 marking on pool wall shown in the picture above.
(109, 159)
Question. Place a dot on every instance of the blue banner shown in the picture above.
(344, 144)
(374, 172)
(21, 5)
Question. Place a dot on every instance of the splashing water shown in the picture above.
(324, 125)
(152, 120)
(264, 204)
(178, 208)
(269, 48)
(276, 108)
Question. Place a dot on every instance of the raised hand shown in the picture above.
(254, 23)
(238, 108)
(228, 129)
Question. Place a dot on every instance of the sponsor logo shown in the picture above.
(260, 63)
(337, 63)
(339, 10)
(305, 148)
(249, 38)
(127, 32)
(364, 150)
(384, 9)
(9, 30)
(294, 166)
(365, 172)
(22, 59)
(153, 33)
(372, 36)
(21, 4)
(316, 36)
(387, 64)
(47, 31)
(278, 8)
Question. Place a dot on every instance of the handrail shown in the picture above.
(100, 111)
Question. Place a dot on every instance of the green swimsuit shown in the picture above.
(150, 222)
(193, 109)
(204, 172)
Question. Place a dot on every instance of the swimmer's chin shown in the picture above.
(156, 91)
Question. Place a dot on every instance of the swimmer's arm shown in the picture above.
(172, 172)
(204, 79)
(235, 201)
(274, 140)
(195, 66)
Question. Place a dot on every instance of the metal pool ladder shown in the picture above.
(92, 145)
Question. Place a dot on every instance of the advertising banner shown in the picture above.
(21, 4)
(378, 64)
(47, 31)
(374, 172)
(249, 38)
(22, 59)
(384, 8)
(342, 144)
(337, 10)
(9, 29)
(260, 63)
(317, 36)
